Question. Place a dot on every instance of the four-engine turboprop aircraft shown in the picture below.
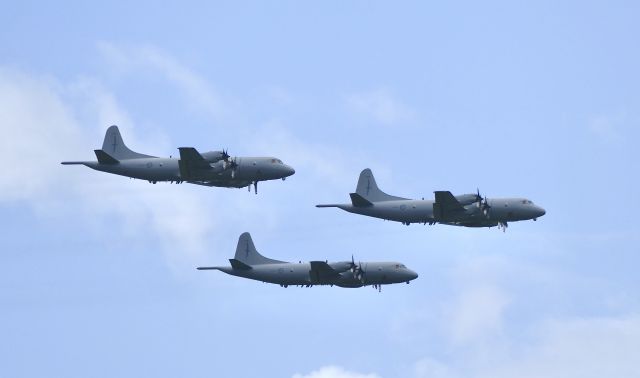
(469, 210)
(248, 263)
(215, 168)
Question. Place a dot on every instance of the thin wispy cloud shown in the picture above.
(478, 313)
(335, 372)
(196, 90)
(379, 106)
(607, 128)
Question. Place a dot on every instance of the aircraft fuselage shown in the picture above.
(248, 170)
(375, 273)
(421, 211)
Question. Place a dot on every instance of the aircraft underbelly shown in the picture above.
(243, 176)
(286, 274)
(145, 170)
(399, 213)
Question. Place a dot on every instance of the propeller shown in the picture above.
(361, 273)
(482, 203)
(478, 197)
(352, 266)
(485, 207)
(231, 164)
(225, 155)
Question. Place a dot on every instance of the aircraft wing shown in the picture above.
(191, 164)
(320, 270)
(192, 157)
(446, 206)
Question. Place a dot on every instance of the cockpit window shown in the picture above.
(527, 202)
(276, 161)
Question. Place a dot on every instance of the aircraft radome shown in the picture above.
(248, 263)
(468, 210)
(215, 168)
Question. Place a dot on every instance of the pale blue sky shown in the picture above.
(535, 99)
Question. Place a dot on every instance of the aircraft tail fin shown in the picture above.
(114, 146)
(247, 254)
(368, 189)
(105, 158)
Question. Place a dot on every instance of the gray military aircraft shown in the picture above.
(214, 168)
(468, 210)
(248, 263)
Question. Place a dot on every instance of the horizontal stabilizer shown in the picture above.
(237, 264)
(105, 158)
(359, 201)
(73, 162)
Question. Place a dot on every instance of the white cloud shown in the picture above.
(41, 128)
(323, 161)
(583, 347)
(430, 368)
(379, 106)
(478, 313)
(568, 348)
(36, 129)
(335, 372)
(605, 128)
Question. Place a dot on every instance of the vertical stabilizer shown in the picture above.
(115, 147)
(246, 252)
(368, 189)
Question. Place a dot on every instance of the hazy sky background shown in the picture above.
(538, 100)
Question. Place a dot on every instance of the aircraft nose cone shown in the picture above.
(541, 211)
(412, 275)
(289, 171)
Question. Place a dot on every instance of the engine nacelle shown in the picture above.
(213, 156)
(467, 199)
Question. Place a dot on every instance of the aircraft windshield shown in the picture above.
(276, 161)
